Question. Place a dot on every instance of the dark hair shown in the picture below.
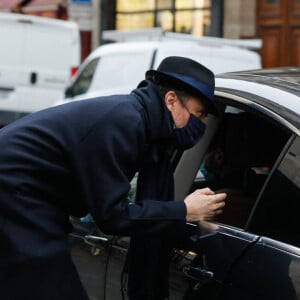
(165, 87)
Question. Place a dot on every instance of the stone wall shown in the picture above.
(239, 19)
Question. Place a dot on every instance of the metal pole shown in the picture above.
(174, 16)
(96, 24)
(217, 17)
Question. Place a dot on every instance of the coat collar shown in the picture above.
(158, 118)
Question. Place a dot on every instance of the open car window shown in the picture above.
(238, 160)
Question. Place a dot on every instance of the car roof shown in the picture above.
(165, 44)
(277, 89)
(22, 18)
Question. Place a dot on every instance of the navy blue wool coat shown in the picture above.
(70, 160)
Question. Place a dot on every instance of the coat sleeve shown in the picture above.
(105, 162)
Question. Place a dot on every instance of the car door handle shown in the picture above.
(197, 273)
(96, 241)
(202, 276)
(33, 77)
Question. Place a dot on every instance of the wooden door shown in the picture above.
(278, 25)
(293, 33)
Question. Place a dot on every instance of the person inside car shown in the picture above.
(79, 158)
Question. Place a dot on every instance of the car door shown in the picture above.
(235, 260)
(90, 253)
(272, 265)
(218, 263)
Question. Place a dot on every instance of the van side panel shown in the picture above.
(50, 53)
(126, 68)
(11, 58)
(219, 59)
(36, 58)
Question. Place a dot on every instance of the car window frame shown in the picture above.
(223, 99)
(257, 210)
(265, 112)
(70, 92)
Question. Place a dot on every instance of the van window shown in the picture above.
(239, 160)
(277, 213)
(84, 79)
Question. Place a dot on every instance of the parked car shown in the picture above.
(251, 151)
(118, 67)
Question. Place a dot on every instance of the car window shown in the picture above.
(239, 160)
(277, 213)
(83, 81)
(126, 69)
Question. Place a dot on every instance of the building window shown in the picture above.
(188, 16)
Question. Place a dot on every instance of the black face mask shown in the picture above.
(189, 135)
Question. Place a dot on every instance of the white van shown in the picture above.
(37, 58)
(119, 67)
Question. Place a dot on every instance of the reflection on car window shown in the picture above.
(277, 213)
(238, 161)
(84, 80)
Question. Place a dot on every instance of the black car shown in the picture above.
(251, 151)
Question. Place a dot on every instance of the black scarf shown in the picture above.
(148, 258)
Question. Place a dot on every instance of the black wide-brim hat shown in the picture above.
(186, 75)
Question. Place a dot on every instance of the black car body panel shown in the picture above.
(266, 271)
